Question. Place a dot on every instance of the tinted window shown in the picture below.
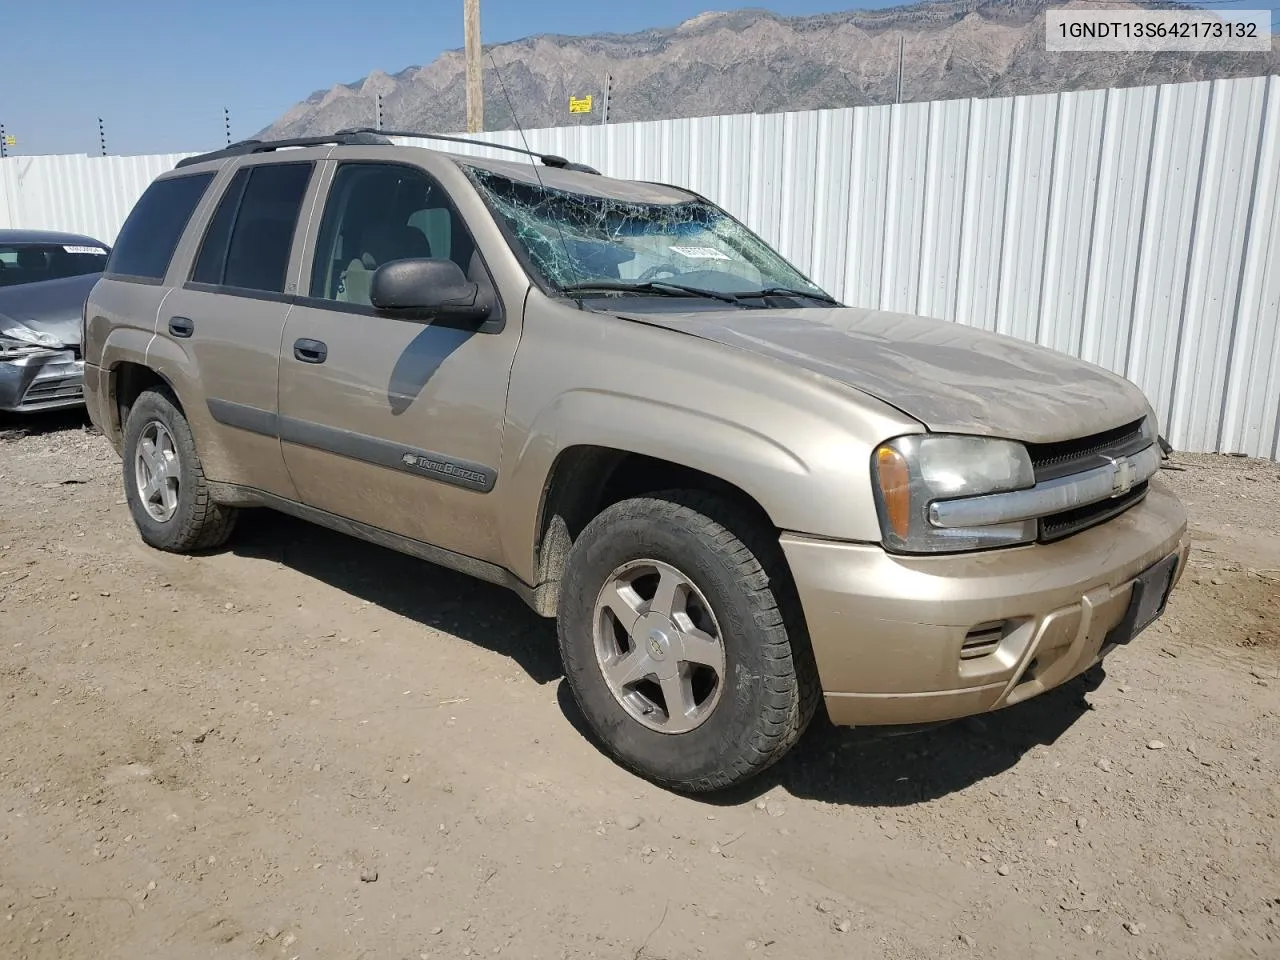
(258, 253)
(377, 213)
(32, 262)
(213, 249)
(155, 225)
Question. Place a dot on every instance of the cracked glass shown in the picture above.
(577, 240)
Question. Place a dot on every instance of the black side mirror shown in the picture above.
(430, 288)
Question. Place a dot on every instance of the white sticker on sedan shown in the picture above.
(74, 249)
(700, 253)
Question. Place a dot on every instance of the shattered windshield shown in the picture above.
(577, 241)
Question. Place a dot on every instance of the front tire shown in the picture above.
(682, 640)
(164, 482)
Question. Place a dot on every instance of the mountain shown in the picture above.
(749, 61)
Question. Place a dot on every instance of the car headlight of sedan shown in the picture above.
(912, 472)
(17, 340)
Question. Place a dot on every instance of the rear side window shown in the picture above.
(247, 243)
(154, 226)
(212, 259)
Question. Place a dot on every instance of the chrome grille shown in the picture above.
(54, 388)
(1052, 460)
(1061, 525)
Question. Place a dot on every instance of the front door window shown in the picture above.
(377, 213)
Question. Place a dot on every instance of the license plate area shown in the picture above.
(1146, 601)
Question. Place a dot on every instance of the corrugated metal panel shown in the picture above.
(983, 212)
(944, 205)
(78, 193)
(1251, 416)
(1138, 228)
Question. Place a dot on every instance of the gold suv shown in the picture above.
(738, 498)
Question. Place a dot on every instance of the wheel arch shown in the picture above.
(585, 479)
(128, 380)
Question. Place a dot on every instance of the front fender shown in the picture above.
(797, 443)
(798, 492)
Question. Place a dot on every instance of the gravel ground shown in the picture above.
(305, 746)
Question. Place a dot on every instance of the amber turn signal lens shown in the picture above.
(895, 489)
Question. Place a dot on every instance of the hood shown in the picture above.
(952, 378)
(48, 306)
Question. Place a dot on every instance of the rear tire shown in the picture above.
(731, 583)
(164, 482)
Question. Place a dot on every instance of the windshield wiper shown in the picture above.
(662, 287)
(786, 292)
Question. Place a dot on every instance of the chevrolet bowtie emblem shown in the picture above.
(1122, 478)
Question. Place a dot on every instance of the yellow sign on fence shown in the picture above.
(580, 104)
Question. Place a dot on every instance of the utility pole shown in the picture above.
(608, 95)
(475, 80)
(379, 124)
(4, 143)
(102, 137)
(226, 123)
(899, 100)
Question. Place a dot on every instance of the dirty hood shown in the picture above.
(48, 306)
(950, 377)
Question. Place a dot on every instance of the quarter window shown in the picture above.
(154, 226)
(377, 213)
(212, 259)
(248, 240)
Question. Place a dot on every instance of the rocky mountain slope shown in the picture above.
(756, 61)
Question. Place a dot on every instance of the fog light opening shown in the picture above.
(984, 639)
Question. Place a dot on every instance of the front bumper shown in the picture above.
(49, 380)
(894, 636)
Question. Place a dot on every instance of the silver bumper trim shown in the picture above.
(49, 380)
(1116, 479)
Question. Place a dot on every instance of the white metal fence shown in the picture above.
(1136, 228)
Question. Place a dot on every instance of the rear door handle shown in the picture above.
(181, 327)
(310, 351)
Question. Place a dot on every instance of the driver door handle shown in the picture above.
(310, 351)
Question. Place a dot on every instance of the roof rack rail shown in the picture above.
(245, 147)
(547, 159)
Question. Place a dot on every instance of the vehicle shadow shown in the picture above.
(892, 767)
(480, 613)
(873, 767)
(16, 425)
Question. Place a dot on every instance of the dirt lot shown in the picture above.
(304, 746)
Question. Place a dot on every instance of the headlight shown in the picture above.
(15, 349)
(25, 335)
(18, 341)
(912, 472)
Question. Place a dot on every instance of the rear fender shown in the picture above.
(178, 368)
(122, 345)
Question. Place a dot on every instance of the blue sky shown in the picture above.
(159, 72)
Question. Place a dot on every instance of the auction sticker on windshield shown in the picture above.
(700, 253)
(74, 249)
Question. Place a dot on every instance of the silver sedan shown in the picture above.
(45, 278)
